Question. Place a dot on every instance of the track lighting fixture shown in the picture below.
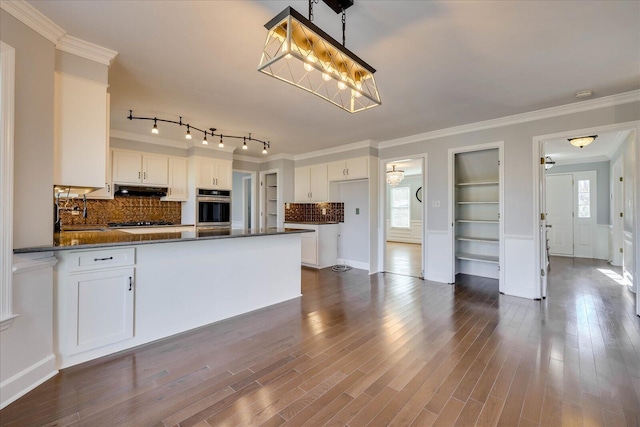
(210, 132)
(298, 52)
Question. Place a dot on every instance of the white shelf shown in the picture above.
(477, 257)
(482, 221)
(465, 184)
(477, 203)
(477, 239)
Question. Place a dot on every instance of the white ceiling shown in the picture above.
(601, 149)
(440, 64)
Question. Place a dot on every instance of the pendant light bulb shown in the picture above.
(155, 127)
(342, 86)
(264, 148)
(188, 135)
(308, 67)
(326, 77)
(244, 145)
(204, 141)
(221, 144)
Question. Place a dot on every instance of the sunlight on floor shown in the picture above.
(614, 276)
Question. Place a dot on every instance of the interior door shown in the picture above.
(628, 255)
(559, 201)
(544, 233)
(618, 211)
(585, 213)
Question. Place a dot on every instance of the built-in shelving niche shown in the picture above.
(271, 199)
(477, 213)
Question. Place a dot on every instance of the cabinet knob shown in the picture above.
(138, 175)
(108, 188)
(145, 175)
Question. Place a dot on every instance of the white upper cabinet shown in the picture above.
(131, 167)
(213, 173)
(356, 168)
(311, 184)
(177, 179)
(80, 132)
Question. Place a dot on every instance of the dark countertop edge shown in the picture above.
(312, 222)
(152, 242)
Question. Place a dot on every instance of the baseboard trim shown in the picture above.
(26, 380)
(355, 264)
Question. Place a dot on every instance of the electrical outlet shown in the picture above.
(357, 211)
(75, 213)
(324, 211)
(436, 203)
(286, 206)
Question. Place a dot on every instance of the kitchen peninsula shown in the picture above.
(116, 290)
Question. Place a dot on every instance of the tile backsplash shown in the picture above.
(121, 209)
(312, 212)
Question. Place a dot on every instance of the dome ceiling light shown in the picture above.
(298, 52)
(582, 141)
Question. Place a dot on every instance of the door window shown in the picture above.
(584, 199)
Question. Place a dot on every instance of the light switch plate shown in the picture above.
(357, 211)
(436, 203)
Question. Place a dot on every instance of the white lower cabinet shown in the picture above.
(104, 314)
(95, 302)
(320, 248)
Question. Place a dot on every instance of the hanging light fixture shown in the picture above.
(394, 177)
(204, 141)
(264, 148)
(298, 52)
(582, 141)
(221, 144)
(154, 130)
(188, 135)
(548, 163)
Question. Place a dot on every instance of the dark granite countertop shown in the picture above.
(101, 238)
(311, 222)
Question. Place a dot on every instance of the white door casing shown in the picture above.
(618, 211)
(559, 206)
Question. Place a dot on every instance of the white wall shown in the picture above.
(518, 181)
(353, 234)
(237, 202)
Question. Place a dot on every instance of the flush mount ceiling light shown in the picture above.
(154, 130)
(548, 163)
(582, 141)
(298, 52)
(394, 177)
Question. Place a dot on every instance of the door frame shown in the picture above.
(617, 203)
(452, 205)
(263, 198)
(538, 153)
(253, 176)
(382, 208)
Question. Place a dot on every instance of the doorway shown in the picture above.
(404, 217)
(243, 200)
(572, 210)
(584, 198)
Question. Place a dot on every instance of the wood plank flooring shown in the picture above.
(376, 350)
(403, 258)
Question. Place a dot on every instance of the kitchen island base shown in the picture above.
(158, 290)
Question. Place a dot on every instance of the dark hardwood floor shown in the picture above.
(381, 350)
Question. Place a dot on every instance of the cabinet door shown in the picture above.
(204, 173)
(223, 174)
(127, 167)
(357, 168)
(177, 179)
(80, 131)
(105, 192)
(309, 248)
(302, 184)
(100, 308)
(155, 169)
(319, 185)
(337, 171)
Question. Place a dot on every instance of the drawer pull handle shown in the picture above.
(130, 283)
(103, 259)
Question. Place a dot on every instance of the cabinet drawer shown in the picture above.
(94, 260)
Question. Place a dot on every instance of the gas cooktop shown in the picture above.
(139, 224)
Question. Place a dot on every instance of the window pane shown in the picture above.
(584, 212)
(400, 218)
(400, 204)
(400, 197)
(583, 185)
(583, 199)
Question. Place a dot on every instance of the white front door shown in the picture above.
(585, 213)
(560, 214)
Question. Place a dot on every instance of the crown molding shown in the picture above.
(576, 107)
(339, 149)
(86, 49)
(34, 19)
(248, 159)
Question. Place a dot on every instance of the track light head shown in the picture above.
(154, 130)
(188, 135)
(221, 144)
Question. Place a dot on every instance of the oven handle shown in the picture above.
(214, 199)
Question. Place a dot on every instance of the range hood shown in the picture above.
(132, 190)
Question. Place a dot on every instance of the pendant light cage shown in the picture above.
(296, 51)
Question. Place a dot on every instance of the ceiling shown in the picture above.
(440, 64)
(601, 149)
